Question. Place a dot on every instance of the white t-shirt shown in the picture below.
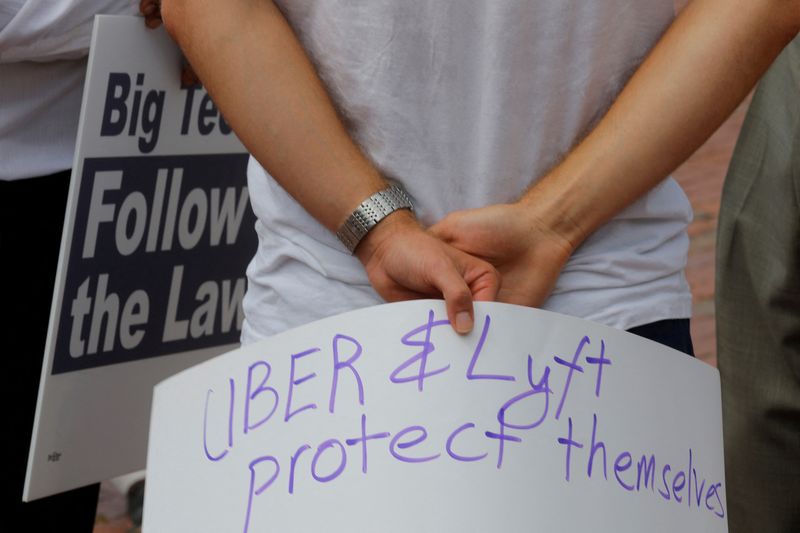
(466, 103)
(43, 49)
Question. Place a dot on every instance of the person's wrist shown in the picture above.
(371, 212)
(389, 227)
(558, 205)
(548, 214)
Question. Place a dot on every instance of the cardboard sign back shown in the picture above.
(384, 419)
(157, 236)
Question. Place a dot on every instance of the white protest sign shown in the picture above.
(384, 419)
(157, 237)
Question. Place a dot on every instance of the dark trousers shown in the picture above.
(674, 333)
(31, 220)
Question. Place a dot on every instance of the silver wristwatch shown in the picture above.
(370, 212)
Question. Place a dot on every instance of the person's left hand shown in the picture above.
(528, 255)
(405, 262)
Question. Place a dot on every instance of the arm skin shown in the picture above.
(700, 70)
(259, 75)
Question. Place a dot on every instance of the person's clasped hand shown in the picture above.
(405, 262)
(528, 254)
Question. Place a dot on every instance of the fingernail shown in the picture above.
(463, 322)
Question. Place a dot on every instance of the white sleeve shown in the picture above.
(47, 30)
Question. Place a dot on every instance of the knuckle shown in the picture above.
(460, 297)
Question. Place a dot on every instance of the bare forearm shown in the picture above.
(702, 68)
(259, 75)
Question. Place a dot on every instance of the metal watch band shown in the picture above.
(370, 212)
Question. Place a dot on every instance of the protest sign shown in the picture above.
(151, 274)
(384, 419)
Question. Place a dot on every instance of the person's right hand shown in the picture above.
(405, 262)
(151, 10)
(526, 251)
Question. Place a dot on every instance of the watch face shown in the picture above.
(370, 212)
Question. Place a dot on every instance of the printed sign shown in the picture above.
(158, 234)
(384, 419)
